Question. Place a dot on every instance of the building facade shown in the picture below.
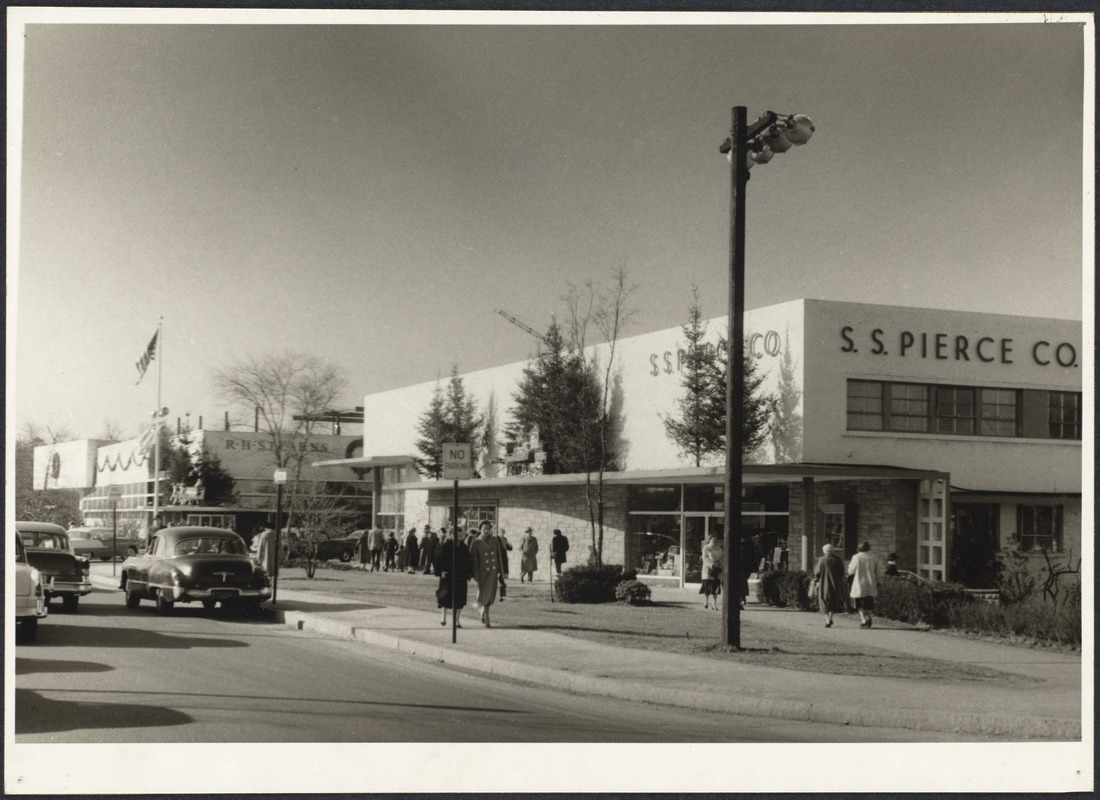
(117, 478)
(948, 437)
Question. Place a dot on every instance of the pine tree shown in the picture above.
(786, 430)
(451, 416)
(431, 429)
(558, 396)
(697, 431)
(700, 429)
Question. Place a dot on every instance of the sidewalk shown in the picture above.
(1043, 701)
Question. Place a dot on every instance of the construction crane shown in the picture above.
(518, 324)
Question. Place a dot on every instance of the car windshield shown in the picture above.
(209, 544)
(45, 540)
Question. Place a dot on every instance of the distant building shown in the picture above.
(927, 432)
(119, 475)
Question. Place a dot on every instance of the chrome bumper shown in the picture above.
(180, 593)
(25, 608)
(53, 586)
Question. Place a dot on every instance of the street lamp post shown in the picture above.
(756, 144)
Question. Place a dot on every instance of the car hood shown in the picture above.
(54, 562)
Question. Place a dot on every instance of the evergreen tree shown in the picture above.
(697, 431)
(559, 396)
(219, 488)
(700, 429)
(451, 416)
(786, 430)
(430, 443)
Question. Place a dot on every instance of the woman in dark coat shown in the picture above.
(832, 584)
(412, 552)
(452, 587)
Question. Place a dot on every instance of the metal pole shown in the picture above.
(454, 566)
(735, 389)
(114, 537)
(278, 517)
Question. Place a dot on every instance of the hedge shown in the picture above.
(588, 584)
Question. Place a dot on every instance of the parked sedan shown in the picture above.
(343, 549)
(30, 596)
(119, 545)
(194, 564)
(64, 573)
(87, 547)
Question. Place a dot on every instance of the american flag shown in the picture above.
(146, 357)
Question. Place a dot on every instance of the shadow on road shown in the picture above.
(95, 636)
(36, 714)
(305, 606)
(29, 666)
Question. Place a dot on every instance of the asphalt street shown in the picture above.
(108, 674)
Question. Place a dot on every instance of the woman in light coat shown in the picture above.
(712, 571)
(829, 574)
(866, 572)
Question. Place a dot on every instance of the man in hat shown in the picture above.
(429, 547)
(891, 564)
(528, 549)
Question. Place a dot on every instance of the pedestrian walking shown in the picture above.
(485, 561)
(829, 577)
(712, 571)
(528, 550)
(412, 551)
(263, 545)
(364, 550)
(429, 546)
(451, 591)
(377, 544)
(866, 572)
(559, 546)
(505, 549)
(391, 553)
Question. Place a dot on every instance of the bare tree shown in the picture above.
(284, 396)
(111, 430)
(609, 310)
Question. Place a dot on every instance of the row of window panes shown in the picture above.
(927, 408)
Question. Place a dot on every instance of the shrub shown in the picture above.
(588, 584)
(787, 589)
(908, 598)
(1057, 623)
(635, 593)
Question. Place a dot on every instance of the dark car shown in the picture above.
(343, 549)
(194, 564)
(64, 573)
(113, 545)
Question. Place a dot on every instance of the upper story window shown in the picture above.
(865, 405)
(1065, 415)
(1000, 415)
(956, 410)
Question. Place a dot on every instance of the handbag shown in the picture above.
(814, 587)
(441, 593)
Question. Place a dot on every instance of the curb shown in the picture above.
(797, 710)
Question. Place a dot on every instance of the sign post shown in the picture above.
(280, 480)
(114, 493)
(458, 464)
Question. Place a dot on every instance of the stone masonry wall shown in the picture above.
(545, 508)
(886, 516)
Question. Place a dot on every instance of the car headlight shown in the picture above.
(175, 575)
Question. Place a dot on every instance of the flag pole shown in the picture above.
(157, 416)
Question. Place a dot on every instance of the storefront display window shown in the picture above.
(655, 498)
(653, 545)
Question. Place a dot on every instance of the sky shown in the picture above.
(371, 193)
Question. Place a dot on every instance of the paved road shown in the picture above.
(109, 674)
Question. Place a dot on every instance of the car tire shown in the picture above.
(28, 629)
(209, 604)
(164, 605)
(345, 555)
(69, 603)
(133, 599)
(131, 551)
